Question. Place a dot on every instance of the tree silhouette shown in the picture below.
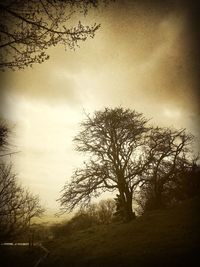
(171, 158)
(28, 28)
(17, 205)
(125, 155)
(113, 138)
(105, 211)
(4, 134)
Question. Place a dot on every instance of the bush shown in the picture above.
(94, 214)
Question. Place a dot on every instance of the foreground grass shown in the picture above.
(19, 256)
(160, 238)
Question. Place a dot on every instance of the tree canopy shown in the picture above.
(28, 28)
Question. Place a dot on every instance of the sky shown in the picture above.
(143, 57)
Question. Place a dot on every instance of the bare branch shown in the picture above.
(29, 28)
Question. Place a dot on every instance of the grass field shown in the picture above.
(159, 238)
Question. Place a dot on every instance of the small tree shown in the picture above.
(105, 211)
(114, 139)
(28, 28)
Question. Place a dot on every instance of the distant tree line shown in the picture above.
(95, 214)
(17, 205)
(154, 167)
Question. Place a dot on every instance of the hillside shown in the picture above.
(159, 238)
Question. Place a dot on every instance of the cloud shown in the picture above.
(141, 52)
(44, 83)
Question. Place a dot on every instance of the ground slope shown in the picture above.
(161, 238)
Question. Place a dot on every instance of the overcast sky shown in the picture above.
(142, 58)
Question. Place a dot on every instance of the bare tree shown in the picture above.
(17, 205)
(113, 138)
(28, 28)
(4, 141)
(171, 157)
(4, 134)
(105, 211)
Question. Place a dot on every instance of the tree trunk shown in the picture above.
(126, 202)
(129, 214)
(126, 199)
(158, 195)
(158, 201)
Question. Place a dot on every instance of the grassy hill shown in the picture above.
(159, 238)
